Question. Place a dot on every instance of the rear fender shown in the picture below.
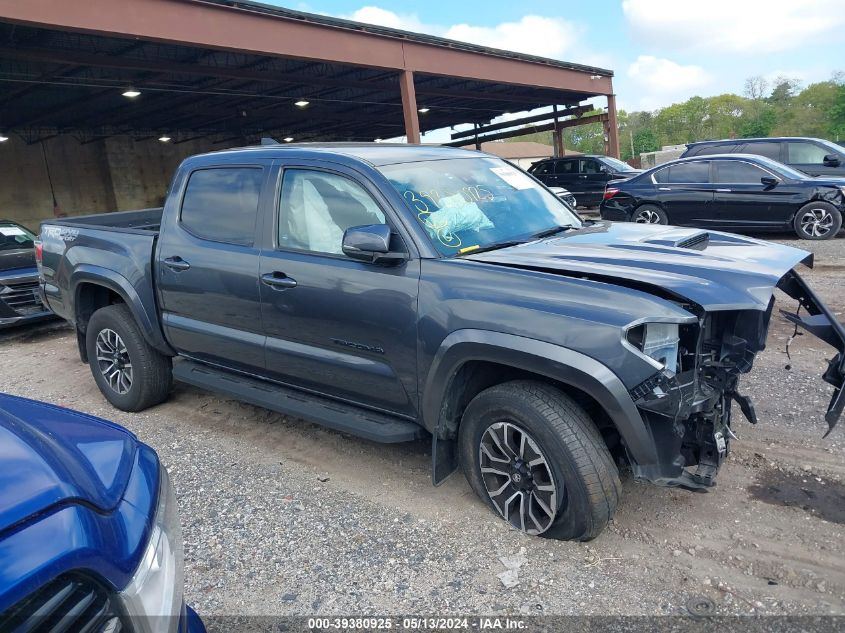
(146, 317)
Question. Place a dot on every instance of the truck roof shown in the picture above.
(373, 153)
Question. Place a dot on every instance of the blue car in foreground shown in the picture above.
(89, 531)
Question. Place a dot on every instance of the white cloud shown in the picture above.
(745, 26)
(532, 34)
(383, 17)
(660, 80)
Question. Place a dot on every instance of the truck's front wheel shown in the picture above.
(534, 455)
(129, 372)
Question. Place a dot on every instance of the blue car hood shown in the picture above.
(718, 271)
(52, 456)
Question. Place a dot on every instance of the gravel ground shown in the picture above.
(282, 517)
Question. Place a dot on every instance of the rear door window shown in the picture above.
(802, 153)
(690, 173)
(566, 167)
(221, 204)
(769, 150)
(709, 150)
(738, 172)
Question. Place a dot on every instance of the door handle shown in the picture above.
(277, 280)
(723, 190)
(176, 263)
(582, 176)
(664, 188)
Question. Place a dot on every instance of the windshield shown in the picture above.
(618, 165)
(13, 236)
(834, 148)
(465, 204)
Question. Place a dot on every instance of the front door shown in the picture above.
(207, 268)
(337, 326)
(743, 201)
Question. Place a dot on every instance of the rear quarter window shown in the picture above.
(769, 150)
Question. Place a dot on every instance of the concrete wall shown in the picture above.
(114, 174)
(664, 155)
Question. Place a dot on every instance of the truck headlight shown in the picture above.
(656, 342)
(153, 598)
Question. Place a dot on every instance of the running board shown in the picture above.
(370, 425)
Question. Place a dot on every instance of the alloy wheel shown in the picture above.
(816, 222)
(113, 361)
(518, 478)
(647, 216)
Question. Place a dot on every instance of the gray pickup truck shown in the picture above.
(399, 292)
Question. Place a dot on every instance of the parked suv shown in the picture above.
(398, 292)
(584, 176)
(813, 156)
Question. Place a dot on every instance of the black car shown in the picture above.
(584, 176)
(730, 192)
(813, 156)
(19, 299)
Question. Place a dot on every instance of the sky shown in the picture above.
(661, 51)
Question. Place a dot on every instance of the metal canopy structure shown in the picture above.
(234, 71)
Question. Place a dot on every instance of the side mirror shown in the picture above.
(370, 243)
(831, 160)
(769, 181)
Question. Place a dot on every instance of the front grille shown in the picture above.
(72, 602)
(22, 297)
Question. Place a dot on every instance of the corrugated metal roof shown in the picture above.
(291, 14)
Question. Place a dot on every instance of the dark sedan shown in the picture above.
(730, 192)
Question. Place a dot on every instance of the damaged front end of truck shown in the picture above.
(689, 411)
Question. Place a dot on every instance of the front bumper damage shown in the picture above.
(689, 414)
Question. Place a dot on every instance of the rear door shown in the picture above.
(593, 177)
(338, 326)
(743, 201)
(207, 266)
(567, 172)
(686, 193)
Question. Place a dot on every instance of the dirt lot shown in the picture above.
(283, 517)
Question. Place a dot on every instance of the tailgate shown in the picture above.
(820, 322)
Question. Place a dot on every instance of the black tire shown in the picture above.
(649, 214)
(817, 221)
(580, 465)
(151, 372)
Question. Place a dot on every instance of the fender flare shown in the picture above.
(547, 359)
(117, 283)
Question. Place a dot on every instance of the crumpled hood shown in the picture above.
(718, 271)
(51, 456)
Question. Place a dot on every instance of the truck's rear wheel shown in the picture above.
(129, 372)
(533, 454)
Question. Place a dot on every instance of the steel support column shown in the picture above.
(409, 106)
(611, 128)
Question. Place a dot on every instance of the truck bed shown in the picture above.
(142, 220)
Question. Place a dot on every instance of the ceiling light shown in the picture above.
(3, 138)
(131, 93)
(301, 103)
(164, 139)
(288, 139)
(424, 110)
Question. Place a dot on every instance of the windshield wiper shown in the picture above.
(552, 231)
(491, 247)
